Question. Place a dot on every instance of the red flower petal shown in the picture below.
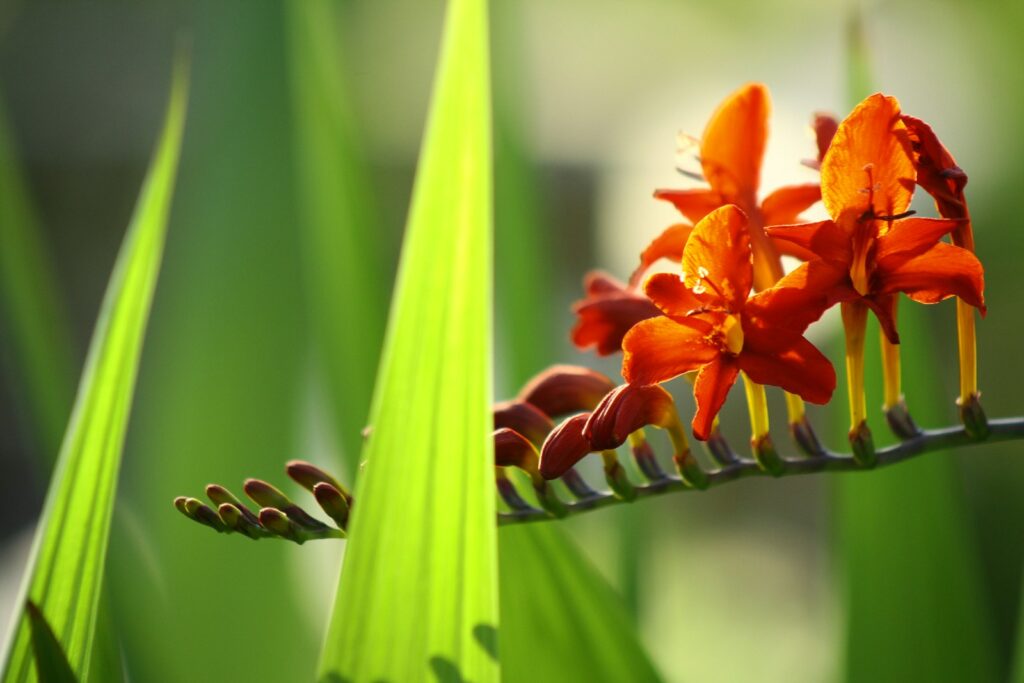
(912, 236)
(669, 244)
(670, 295)
(787, 203)
(868, 167)
(825, 239)
(659, 349)
(710, 389)
(609, 310)
(790, 362)
(801, 297)
(693, 204)
(717, 260)
(884, 308)
(733, 143)
(941, 272)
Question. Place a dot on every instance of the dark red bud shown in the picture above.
(625, 410)
(566, 389)
(512, 449)
(524, 418)
(564, 447)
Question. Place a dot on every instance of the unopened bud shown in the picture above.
(235, 520)
(625, 410)
(268, 496)
(566, 389)
(220, 495)
(278, 522)
(308, 475)
(524, 418)
(564, 447)
(333, 502)
(512, 449)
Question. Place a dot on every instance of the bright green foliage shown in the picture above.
(907, 557)
(66, 570)
(52, 663)
(576, 622)
(340, 231)
(40, 337)
(418, 590)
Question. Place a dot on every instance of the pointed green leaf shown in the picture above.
(915, 608)
(52, 664)
(66, 570)
(340, 233)
(553, 599)
(418, 589)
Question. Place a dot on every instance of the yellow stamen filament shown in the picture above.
(890, 372)
(855, 318)
(757, 405)
(732, 328)
(795, 408)
(968, 351)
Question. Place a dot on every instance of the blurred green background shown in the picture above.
(909, 574)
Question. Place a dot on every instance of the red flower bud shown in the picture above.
(566, 389)
(524, 418)
(625, 410)
(564, 447)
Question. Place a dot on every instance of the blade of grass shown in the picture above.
(555, 602)
(340, 230)
(560, 618)
(915, 609)
(66, 570)
(39, 339)
(418, 589)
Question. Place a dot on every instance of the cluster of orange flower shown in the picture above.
(704, 319)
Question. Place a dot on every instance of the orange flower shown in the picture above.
(607, 313)
(731, 152)
(869, 251)
(710, 325)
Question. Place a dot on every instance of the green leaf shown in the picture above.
(418, 589)
(39, 342)
(911, 583)
(66, 569)
(52, 664)
(554, 599)
(341, 233)
(560, 619)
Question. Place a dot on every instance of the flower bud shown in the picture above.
(607, 313)
(524, 418)
(625, 410)
(564, 447)
(333, 502)
(268, 496)
(308, 475)
(566, 389)
(512, 449)
(220, 496)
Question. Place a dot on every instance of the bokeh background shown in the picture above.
(908, 574)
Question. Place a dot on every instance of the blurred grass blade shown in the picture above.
(915, 608)
(560, 620)
(418, 589)
(341, 231)
(66, 571)
(553, 599)
(39, 339)
(52, 664)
